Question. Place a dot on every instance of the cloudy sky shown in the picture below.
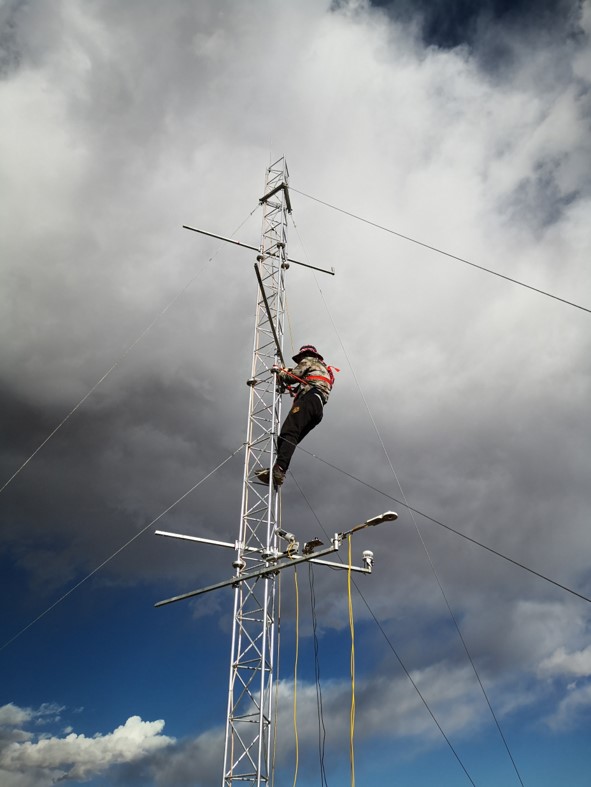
(466, 126)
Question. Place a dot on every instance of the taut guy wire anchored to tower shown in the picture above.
(263, 549)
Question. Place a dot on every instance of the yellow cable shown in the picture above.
(352, 628)
(276, 687)
(295, 677)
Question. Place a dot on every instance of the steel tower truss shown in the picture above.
(249, 720)
(259, 559)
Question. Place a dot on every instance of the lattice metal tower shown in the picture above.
(259, 559)
(249, 721)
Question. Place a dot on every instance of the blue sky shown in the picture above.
(465, 126)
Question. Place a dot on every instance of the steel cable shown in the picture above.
(119, 550)
(447, 527)
(118, 361)
(444, 253)
(391, 646)
(395, 475)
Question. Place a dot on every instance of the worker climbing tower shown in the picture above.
(248, 730)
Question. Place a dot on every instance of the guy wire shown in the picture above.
(429, 518)
(453, 618)
(119, 359)
(383, 632)
(118, 551)
(430, 560)
(404, 503)
(444, 253)
(412, 516)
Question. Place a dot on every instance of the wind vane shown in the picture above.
(263, 549)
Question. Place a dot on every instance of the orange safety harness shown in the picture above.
(305, 380)
(329, 380)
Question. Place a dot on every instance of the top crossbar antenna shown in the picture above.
(330, 272)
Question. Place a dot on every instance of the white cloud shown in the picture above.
(13, 719)
(12, 716)
(562, 663)
(27, 758)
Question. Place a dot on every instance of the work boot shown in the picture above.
(263, 475)
(278, 475)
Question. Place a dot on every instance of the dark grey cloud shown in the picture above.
(9, 44)
(189, 762)
(540, 196)
(452, 23)
(109, 471)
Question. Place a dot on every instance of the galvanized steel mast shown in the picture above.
(247, 752)
(259, 558)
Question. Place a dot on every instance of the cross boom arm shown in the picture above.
(231, 545)
(331, 272)
(276, 567)
(332, 564)
(272, 569)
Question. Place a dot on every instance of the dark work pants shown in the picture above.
(305, 414)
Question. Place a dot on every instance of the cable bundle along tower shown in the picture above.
(259, 556)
